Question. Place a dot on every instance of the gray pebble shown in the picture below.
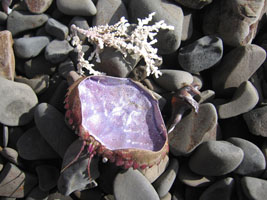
(254, 188)
(253, 163)
(17, 105)
(80, 22)
(201, 54)
(77, 7)
(3, 18)
(47, 176)
(194, 4)
(57, 51)
(65, 67)
(14, 133)
(168, 196)
(19, 21)
(10, 154)
(220, 157)
(132, 185)
(56, 29)
(30, 47)
(206, 96)
(187, 30)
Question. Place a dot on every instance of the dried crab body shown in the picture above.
(118, 119)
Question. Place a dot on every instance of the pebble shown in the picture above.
(57, 196)
(75, 176)
(32, 146)
(47, 176)
(15, 183)
(38, 6)
(138, 73)
(245, 99)
(187, 29)
(164, 183)
(80, 22)
(220, 158)
(168, 196)
(65, 68)
(194, 4)
(7, 58)
(132, 185)
(56, 29)
(57, 51)
(201, 54)
(77, 7)
(173, 80)
(3, 18)
(220, 190)
(39, 84)
(14, 133)
(254, 188)
(45, 117)
(37, 194)
(256, 121)
(20, 21)
(30, 47)
(59, 96)
(10, 154)
(168, 41)
(206, 96)
(253, 163)
(194, 129)
(236, 67)
(18, 103)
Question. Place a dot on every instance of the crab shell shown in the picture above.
(130, 157)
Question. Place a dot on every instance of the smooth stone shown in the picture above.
(220, 190)
(172, 80)
(5, 136)
(65, 68)
(109, 12)
(20, 21)
(206, 96)
(11, 155)
(256, 121)
(155, 171)
(47, 176)
(193, 130)
(15, 183)
(168, 40)
(14, 133)
(75, 176)
(38, 66)
(194, 4)
(164, 183)
(245, 99)
(3, 18)
(186, 176)
(59, 96)
(37, 194)
(77, 7)
(168, 196)
(38, 6)
(201, 54)
(7, 58)
(220, 158)
(46, 116)
(39, 84)
(236, 67)
(32, 146)
(234, 21)
(254, 188)
(57, 51)
(80, 22)
(132, 185)
(187, 29)
(18, 103)
(30, 47)
(57, 196)
(56, 29)
(253, 163)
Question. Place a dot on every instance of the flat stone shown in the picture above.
(236, 67)
(220, 190)
(32, 146)
(57, 51)
(172, 80)
(245, 99)
(47, 176)
(77, 7)
(201, 54)
(38, 6)
(220, 158)
(11, 155)
(194, 129)
(18, 103)
(194, 4)
(256, 121)
(75, 176)
(132, 185)
(37, 194)
(164, 183)
(20, 21)
(30, 47)
(254, 188)
(15, 183)
(7, 58)
(168, 40)
(56, 29)
(46, 116)
(253, 163)
(80, 22)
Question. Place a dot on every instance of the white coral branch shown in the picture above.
(139, 42)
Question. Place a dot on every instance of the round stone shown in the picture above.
(77, 7)
(56, 29)
(38, 6)
(254, 188)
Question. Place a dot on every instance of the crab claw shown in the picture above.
(5, 6)
(182, 100)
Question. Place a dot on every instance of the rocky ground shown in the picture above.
(218, 153)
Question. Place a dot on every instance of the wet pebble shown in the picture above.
(47, 176)
(79, 7)
(254, 188)
(56, 29)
